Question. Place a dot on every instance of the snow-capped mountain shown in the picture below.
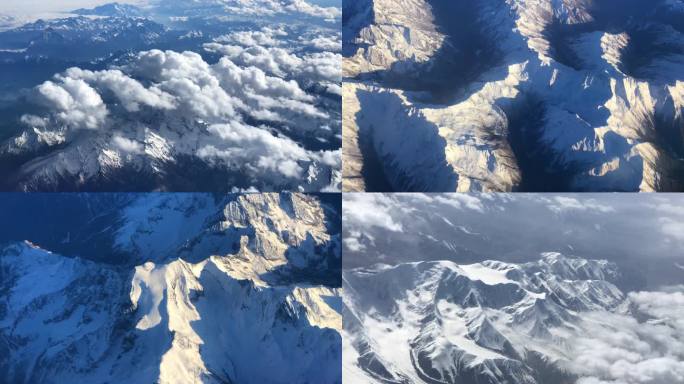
(112, 9)
(8, 22)
(164, 153)
(82, 38)
(490, 322)
(500, 95)
(196, 288)
(177, 100)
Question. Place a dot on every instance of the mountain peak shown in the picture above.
(472, 320)
(111, 9)
(229, 288)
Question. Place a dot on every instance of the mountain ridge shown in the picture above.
(489, 322)
(503, 120)
(199, 310)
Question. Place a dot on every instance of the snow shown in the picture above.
(386, 338)
(485, 274)
(237, 315)
(147, 292)
(424, 308)
(400, 30)
(187, 293)
(594, 115)
(41, 273)
(156, 224)
(351, 373)
(455, 330)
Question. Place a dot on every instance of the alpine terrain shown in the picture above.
(513, 95)
(170, 288)
(555, 320)
(197, 96)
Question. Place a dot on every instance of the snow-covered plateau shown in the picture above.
(513, 95)
(175, 288)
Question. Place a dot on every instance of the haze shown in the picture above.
(33, 7)
(642, 233)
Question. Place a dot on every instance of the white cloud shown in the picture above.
(265, 37)
(75, 103)
(619, 349)
(254, 82)
(127, 145)
(319, 66)
(370, 210)
(667, 207)
(335, 89)
(275, 7)
(671, 219)
(35, 121)
(180, 82)
(461, 200)
(130, 92)
(323, 66)
(454, 200)
(672, 228)
(561, 204)
(353, 244)
(254, 148)
(276, 61)
(327, 43)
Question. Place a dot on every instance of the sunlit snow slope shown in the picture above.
(523, 95)
(243, 289)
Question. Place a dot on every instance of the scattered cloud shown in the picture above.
(319, 66)
(127, 145)
(245, 112)
(242, 146)
(275, 7)
(561, 204)
(353, 243)
(672, 228)
(179, 82)
(461, 200)
(131, 93)
(371, 210)
(267, 36)
(327, 43)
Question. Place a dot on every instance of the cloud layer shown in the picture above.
(646, 347)
(632, 231)
(251, 111)
(261, 8)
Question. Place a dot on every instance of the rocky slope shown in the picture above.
(491, 322)
(499, 95)
(210, 290)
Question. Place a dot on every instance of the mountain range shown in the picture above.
(513, 95)
(173, 288)
(489, 322)
(171, 97)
